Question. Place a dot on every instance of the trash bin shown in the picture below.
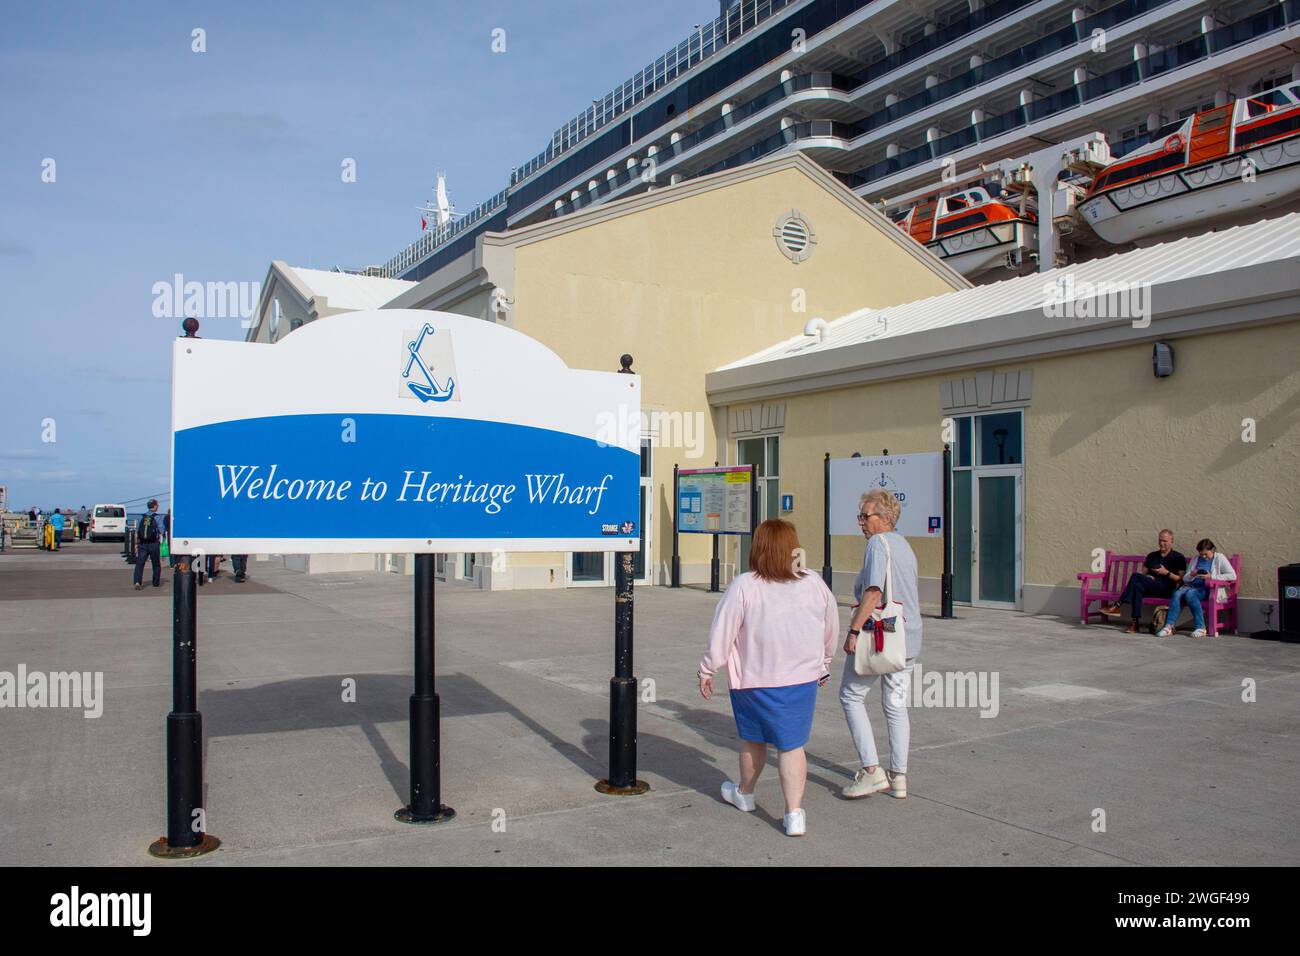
(1288, 602)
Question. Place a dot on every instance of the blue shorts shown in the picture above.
(780, 716)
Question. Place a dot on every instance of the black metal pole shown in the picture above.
(186, 820)
(425, 805)
(754, 519)
(622, 779)
(676, 578)
(622, 690)
(827, 574)
(945, 582)
(715, 568)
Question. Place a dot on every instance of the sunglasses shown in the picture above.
(864, 515)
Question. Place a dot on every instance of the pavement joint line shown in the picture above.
(1026, 829)
(460, 823)
(1103, 717)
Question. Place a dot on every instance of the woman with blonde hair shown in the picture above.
(887, 553)
(775, 631)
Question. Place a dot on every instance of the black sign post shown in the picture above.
(826, 520)
(676, 579)
(622, 779)
(186, 820)
(945, 582)
(426, 772)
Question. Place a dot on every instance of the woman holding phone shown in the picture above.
(1209, 565)
(775, 632)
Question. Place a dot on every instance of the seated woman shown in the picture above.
(1208, 564)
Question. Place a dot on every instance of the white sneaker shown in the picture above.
(741, 801)
(897, 785)
(1200, 632)
(796, 823)
(865, 784)
(1165, 632)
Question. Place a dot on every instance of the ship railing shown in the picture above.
(438, 236)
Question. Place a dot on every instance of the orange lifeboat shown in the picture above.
(1228, 163)
(972, 230)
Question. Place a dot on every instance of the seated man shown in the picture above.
(1161, 572)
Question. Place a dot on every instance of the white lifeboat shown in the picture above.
(1229, 163)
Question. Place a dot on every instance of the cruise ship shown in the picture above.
(990, 124)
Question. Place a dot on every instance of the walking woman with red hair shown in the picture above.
(775, 632)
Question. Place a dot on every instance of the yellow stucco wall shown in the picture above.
(1112, 453)
(690, 285)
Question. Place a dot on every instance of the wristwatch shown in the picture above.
(854, 632)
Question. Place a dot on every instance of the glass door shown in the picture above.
(765, 455)
(643, 562)
(987, 509)
(996, 565)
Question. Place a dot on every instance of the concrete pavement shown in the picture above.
(1152, 733)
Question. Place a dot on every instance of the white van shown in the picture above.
(107, 521)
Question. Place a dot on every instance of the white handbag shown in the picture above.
(882, 645)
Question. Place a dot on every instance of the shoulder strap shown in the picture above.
(889, 572)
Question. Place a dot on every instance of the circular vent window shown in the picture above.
(794, 236)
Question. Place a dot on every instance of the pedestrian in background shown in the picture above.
(56, 522)
(148, 536)
(239, 564)
(1209, 565)
(83, 522)
(775, 631)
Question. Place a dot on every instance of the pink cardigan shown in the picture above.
(773, 633)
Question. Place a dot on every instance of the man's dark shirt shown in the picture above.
(1174, 562)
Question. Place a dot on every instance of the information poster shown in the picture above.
(917, 481)
(716, 500)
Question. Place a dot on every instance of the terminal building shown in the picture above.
(719, 218)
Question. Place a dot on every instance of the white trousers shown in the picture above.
(896, 693)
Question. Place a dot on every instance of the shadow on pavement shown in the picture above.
(314, 703)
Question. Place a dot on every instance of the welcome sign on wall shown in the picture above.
(399, 430)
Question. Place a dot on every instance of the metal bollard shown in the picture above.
(622, 690)
(186, 817)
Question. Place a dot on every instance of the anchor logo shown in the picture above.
(432, 391)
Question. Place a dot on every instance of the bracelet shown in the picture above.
(854, 632)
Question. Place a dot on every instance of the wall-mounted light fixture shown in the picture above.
(1162, 359)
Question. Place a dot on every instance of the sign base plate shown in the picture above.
(442, 815)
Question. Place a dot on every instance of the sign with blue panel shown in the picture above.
(400, 430)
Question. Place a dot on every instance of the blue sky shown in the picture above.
(212, 164)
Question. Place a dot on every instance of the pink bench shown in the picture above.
(1106, 586)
